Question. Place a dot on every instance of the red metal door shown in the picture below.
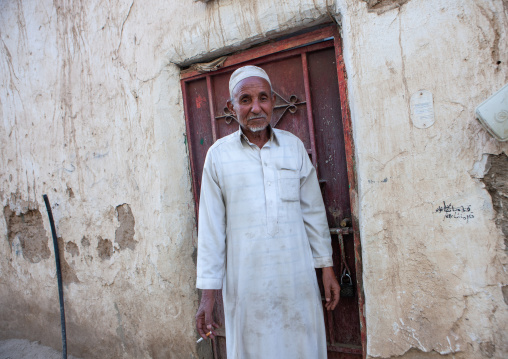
(310, 88)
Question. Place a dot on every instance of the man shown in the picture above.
(262, 231)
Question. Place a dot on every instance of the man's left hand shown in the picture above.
(332, 288)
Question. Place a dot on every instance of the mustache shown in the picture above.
(256, 117)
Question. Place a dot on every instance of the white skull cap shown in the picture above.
(246, 71)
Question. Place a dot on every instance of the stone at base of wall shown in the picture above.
(22, 348)
(418, 354)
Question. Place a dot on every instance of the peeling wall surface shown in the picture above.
(92, 115)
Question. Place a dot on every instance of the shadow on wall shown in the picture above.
(381, 6)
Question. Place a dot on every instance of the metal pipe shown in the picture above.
(58, 275)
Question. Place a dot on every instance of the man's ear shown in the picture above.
(229, 104)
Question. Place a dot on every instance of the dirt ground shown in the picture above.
(25, 349)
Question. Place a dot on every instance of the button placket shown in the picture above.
(270, 192)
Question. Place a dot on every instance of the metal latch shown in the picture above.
(344, 230)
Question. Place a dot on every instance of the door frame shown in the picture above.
(251, 57)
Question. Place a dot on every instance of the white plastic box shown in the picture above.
(493, 114)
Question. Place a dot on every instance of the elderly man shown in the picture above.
(262, 231)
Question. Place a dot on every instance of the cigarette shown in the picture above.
(201, 339)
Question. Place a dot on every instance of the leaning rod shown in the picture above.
(58, 275)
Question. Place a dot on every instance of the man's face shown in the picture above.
(252, 104)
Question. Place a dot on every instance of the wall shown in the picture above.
(108, 147)
(432, 283)
(93, 116)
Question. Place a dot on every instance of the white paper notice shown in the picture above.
(422, 109)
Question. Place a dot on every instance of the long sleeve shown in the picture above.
(264, 251)
(313, 212)
(212, 229)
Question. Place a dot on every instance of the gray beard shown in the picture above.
(257, 129)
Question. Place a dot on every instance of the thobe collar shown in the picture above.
(272, 140)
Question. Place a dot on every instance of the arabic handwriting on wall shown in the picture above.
(450, 211)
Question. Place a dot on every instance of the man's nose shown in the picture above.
(256, 108)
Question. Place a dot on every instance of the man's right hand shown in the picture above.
(204, 320)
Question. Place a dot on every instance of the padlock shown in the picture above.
(347, 288)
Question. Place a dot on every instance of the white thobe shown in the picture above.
(262, 231)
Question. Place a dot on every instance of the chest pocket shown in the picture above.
(289, 185)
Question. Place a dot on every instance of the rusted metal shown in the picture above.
(257, 52)
(228, 116)
(308, 73)
(353, 188)
(289, 105)
(220, 332)
(341, 231)
(189, 147)
(325, 43)
(337, 355)
(219, 343)
(309, 110)
(330, 324)
(345, 349)
(345, 222)
(214, 347)
(212, 110)
(343, 325)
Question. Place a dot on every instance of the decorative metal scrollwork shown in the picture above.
(287, 105)
(228, 116)
(290, 106)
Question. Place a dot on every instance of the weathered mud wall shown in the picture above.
(434, 257)
(108, 147)
(93, 116)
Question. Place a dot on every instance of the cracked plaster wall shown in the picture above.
(92, 115)
(432, 284)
